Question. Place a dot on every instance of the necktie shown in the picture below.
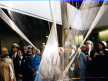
(13, 56)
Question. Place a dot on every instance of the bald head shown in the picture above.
(4, 52)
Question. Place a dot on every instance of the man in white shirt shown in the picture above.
(89, 50)
(90, 56)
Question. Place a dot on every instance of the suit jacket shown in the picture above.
(101, 64)
(20, 68)
(91, 53)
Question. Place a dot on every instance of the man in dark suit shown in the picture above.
(90, 56)
(14, 49)
(89, 50)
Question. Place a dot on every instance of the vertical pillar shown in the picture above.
(65, 56)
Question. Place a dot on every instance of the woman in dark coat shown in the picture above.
(20, 67)
(101, 61)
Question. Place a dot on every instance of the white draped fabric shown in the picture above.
(41, 9)
(13, 26)
(38, 9)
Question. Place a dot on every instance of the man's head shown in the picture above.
(89, 44)
(42, 49)
(74, 47)
(61, 50)
(34, 51)
(15, 47)
(25, 49)
(38, 51)
(4, 52)
(30, 49)
(83, 48)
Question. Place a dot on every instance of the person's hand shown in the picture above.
(20, 76)
(33, 70)
(101, 53)
(89, 58)
(79, 50)
(95, 54)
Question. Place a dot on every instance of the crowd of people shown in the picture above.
(19, 64)
(91, 63)
(23, 64)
